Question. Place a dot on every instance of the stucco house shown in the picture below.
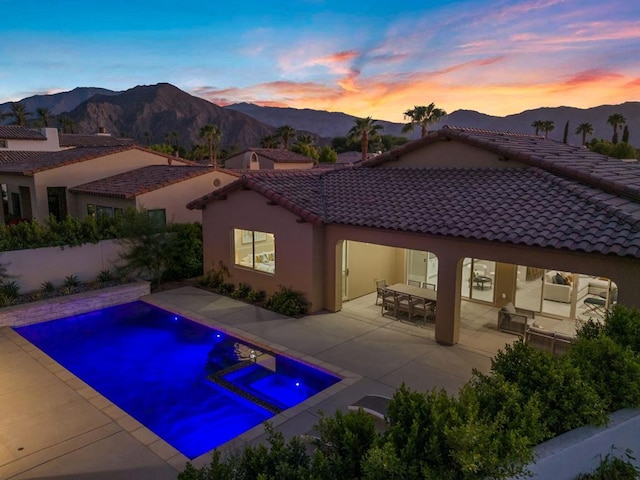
(36, 182)
(268, 159)
(446, 209)
(162, 190)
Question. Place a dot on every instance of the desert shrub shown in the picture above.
(71, 281)
(242, 291)
(288, 301)
(226, 288)
(184, 252)
(105, 276)
(47, 287)
(10, 289)
(216, 276)
(256, 296)
(567, 400)
(611, 369)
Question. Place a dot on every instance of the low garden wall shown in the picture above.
(29, 268)
(74, 304)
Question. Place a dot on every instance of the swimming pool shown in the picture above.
(195, 387)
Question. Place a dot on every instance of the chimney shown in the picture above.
(103, 132)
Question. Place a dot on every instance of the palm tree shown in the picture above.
(270, 141)
(423, 116)
(547, 126)
(538, 126)
(615, 120)
(213, 135)
(364, 129)
(66, 124)
(285, 132)
(147, 137)
(584, 129)
(306, 139)
(18, 112)
(44, 115)
(176, 137)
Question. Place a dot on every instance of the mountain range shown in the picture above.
(164, 110)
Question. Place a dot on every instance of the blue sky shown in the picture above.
(365, 58)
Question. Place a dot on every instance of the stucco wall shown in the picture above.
(292, 166)
(33, 267)
(452, 154)
(51, 144)
(296, 244)
(88, 171)
(368, 262)
(81, 201)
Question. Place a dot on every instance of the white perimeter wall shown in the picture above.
(33, 267)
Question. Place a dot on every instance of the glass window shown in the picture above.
(104, 211)
(157, 216)
(3, 143)
(255, 250)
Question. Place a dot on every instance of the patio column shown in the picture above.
(448, 307)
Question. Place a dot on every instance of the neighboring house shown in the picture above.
(486, 216)
(162, 190)
(13, 137)
(268, 159)
(96, 140)
(36, 183)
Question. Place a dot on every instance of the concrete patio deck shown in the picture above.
(55, 426)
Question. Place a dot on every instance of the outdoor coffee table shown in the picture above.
(480, 281)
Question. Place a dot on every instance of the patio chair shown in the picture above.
(376, 405)
(421, 307)
(513, 320)
(413, 283)
(403, 304)
(430, 286)
(388, 301)
(380, 286)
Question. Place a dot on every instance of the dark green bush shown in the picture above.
(10, 289)
(184, 253)
(288, 301)
(241, 292)
(567, 400)
(256, 296)
(216, 276)
(47, 287)
(71, 281)
(226, 288)
(622, 324)
(105, 276)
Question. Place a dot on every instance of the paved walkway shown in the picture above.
(53, 425)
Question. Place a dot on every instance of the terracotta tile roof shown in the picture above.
(280, 155)
(570, 161)
(77, 140)
(515, 206)
(15, 132)
(142, 180)
(29, 163)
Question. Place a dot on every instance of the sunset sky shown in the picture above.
(368, 58)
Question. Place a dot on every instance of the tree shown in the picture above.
(364, 129)
(285, 132)
(44, 115)
(213, 135)
(538, 126)
(625, 134)
(175, 137)
(270, 141)
(423, 116)
(328, 155)
(566, 132)
(615, 120)
(584, 129)
(306, 150)
(615, 150)
(147, 137)
(66, 124)
(547, 126)
(18, 112)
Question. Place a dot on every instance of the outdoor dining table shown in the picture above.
(425, 293)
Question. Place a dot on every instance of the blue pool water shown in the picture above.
(193, 386)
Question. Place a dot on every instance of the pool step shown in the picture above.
(218, 379)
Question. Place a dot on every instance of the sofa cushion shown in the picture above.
(509, 308)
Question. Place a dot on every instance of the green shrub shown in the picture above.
(105, 276)
(258, 296)
(241, 292)
(226, 288)
(10, 289)
(47, 287)
(216, 276)
(567, 400)
(611, 369)
(6, 301)
(66, 290)
(613, 468)
(184, 254)
(622, 324)
(71, 281)
(288, 301)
